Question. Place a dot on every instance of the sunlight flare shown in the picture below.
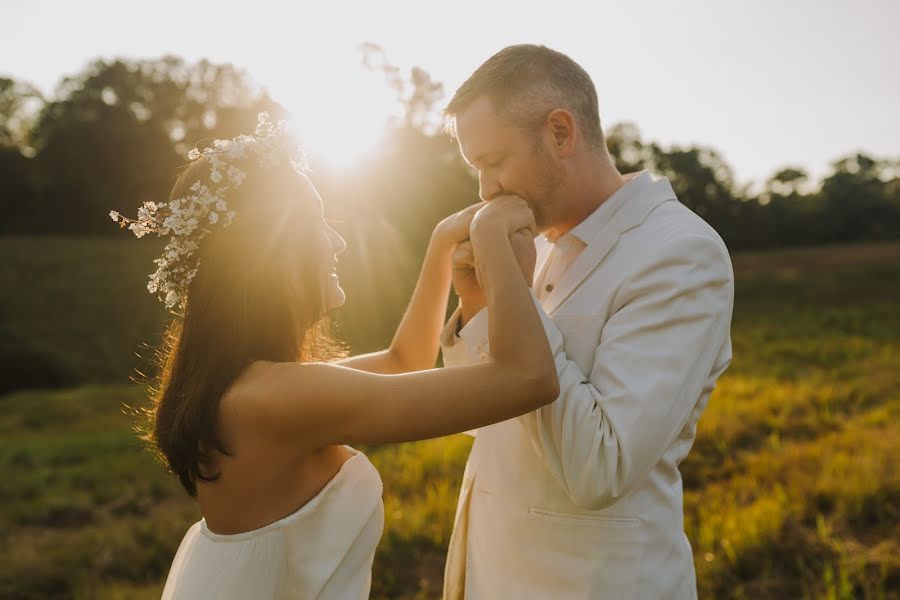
(340, 111)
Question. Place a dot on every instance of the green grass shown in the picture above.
(75, 310)
(792, 489)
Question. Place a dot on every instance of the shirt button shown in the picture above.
(549, 287)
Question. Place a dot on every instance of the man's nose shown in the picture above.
(488, 189)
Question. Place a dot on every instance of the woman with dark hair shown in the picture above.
(250, 417)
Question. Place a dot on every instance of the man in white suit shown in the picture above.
(583, 498)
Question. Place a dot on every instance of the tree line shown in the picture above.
(115, 134)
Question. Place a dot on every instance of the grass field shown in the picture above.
(792, 489)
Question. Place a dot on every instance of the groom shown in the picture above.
(583, 498)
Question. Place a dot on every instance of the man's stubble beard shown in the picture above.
(545, 202)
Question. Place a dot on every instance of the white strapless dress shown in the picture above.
(322, 551)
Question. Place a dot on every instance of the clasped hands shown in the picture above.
(508, 215)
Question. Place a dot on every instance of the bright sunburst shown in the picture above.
(338, 108)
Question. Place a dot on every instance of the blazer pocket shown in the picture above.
(601, 554)
(582, 519)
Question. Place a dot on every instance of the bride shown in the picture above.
(248, 414)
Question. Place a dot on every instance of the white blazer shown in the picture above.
(583, 498)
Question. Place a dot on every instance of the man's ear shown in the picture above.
(563, 131)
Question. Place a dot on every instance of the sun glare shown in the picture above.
(339, 112)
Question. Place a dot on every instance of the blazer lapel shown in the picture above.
(633, 203)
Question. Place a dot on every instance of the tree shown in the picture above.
(418, 93)
(860, 200)
(118, 131)
(19, 104)
(623, 140)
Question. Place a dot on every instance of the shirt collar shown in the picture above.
(585, 231)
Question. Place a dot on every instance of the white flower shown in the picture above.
(236, 175)
(213, 218)
(171, 298)
(114, 215)
(263, 126)
(138, 229)
(194, 154)
(216, 177)
(221, 205)
(196, 186)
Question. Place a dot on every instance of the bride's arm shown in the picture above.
(416, 343)
(318, 404)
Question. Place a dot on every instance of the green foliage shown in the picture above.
(860, 200)
(19, 103)
(119, 129)
(791, 490)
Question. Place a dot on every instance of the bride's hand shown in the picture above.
(454, 229)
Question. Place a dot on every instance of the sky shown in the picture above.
(768, 83)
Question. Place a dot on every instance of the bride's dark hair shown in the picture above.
(257, 295)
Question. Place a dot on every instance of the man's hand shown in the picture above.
(510, 213)
(465, 280)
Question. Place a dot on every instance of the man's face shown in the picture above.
(510, 161)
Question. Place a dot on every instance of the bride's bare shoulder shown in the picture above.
(278, 394)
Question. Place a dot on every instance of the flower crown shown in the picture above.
(189, 219)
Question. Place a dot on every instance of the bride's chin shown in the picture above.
(336, 297)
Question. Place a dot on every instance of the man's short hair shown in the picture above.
(525, 82)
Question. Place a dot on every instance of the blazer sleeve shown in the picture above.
(468, 347)
(610, 427)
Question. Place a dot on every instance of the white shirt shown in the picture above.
(566, 250)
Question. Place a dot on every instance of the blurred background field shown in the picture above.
(791, 490)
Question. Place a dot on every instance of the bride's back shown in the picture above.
(262, 478)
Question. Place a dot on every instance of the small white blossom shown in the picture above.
(213, 218)
(138, 229)
(194, 154)
(114, 215)
(236, 175)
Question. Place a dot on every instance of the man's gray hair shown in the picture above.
(525, 82)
